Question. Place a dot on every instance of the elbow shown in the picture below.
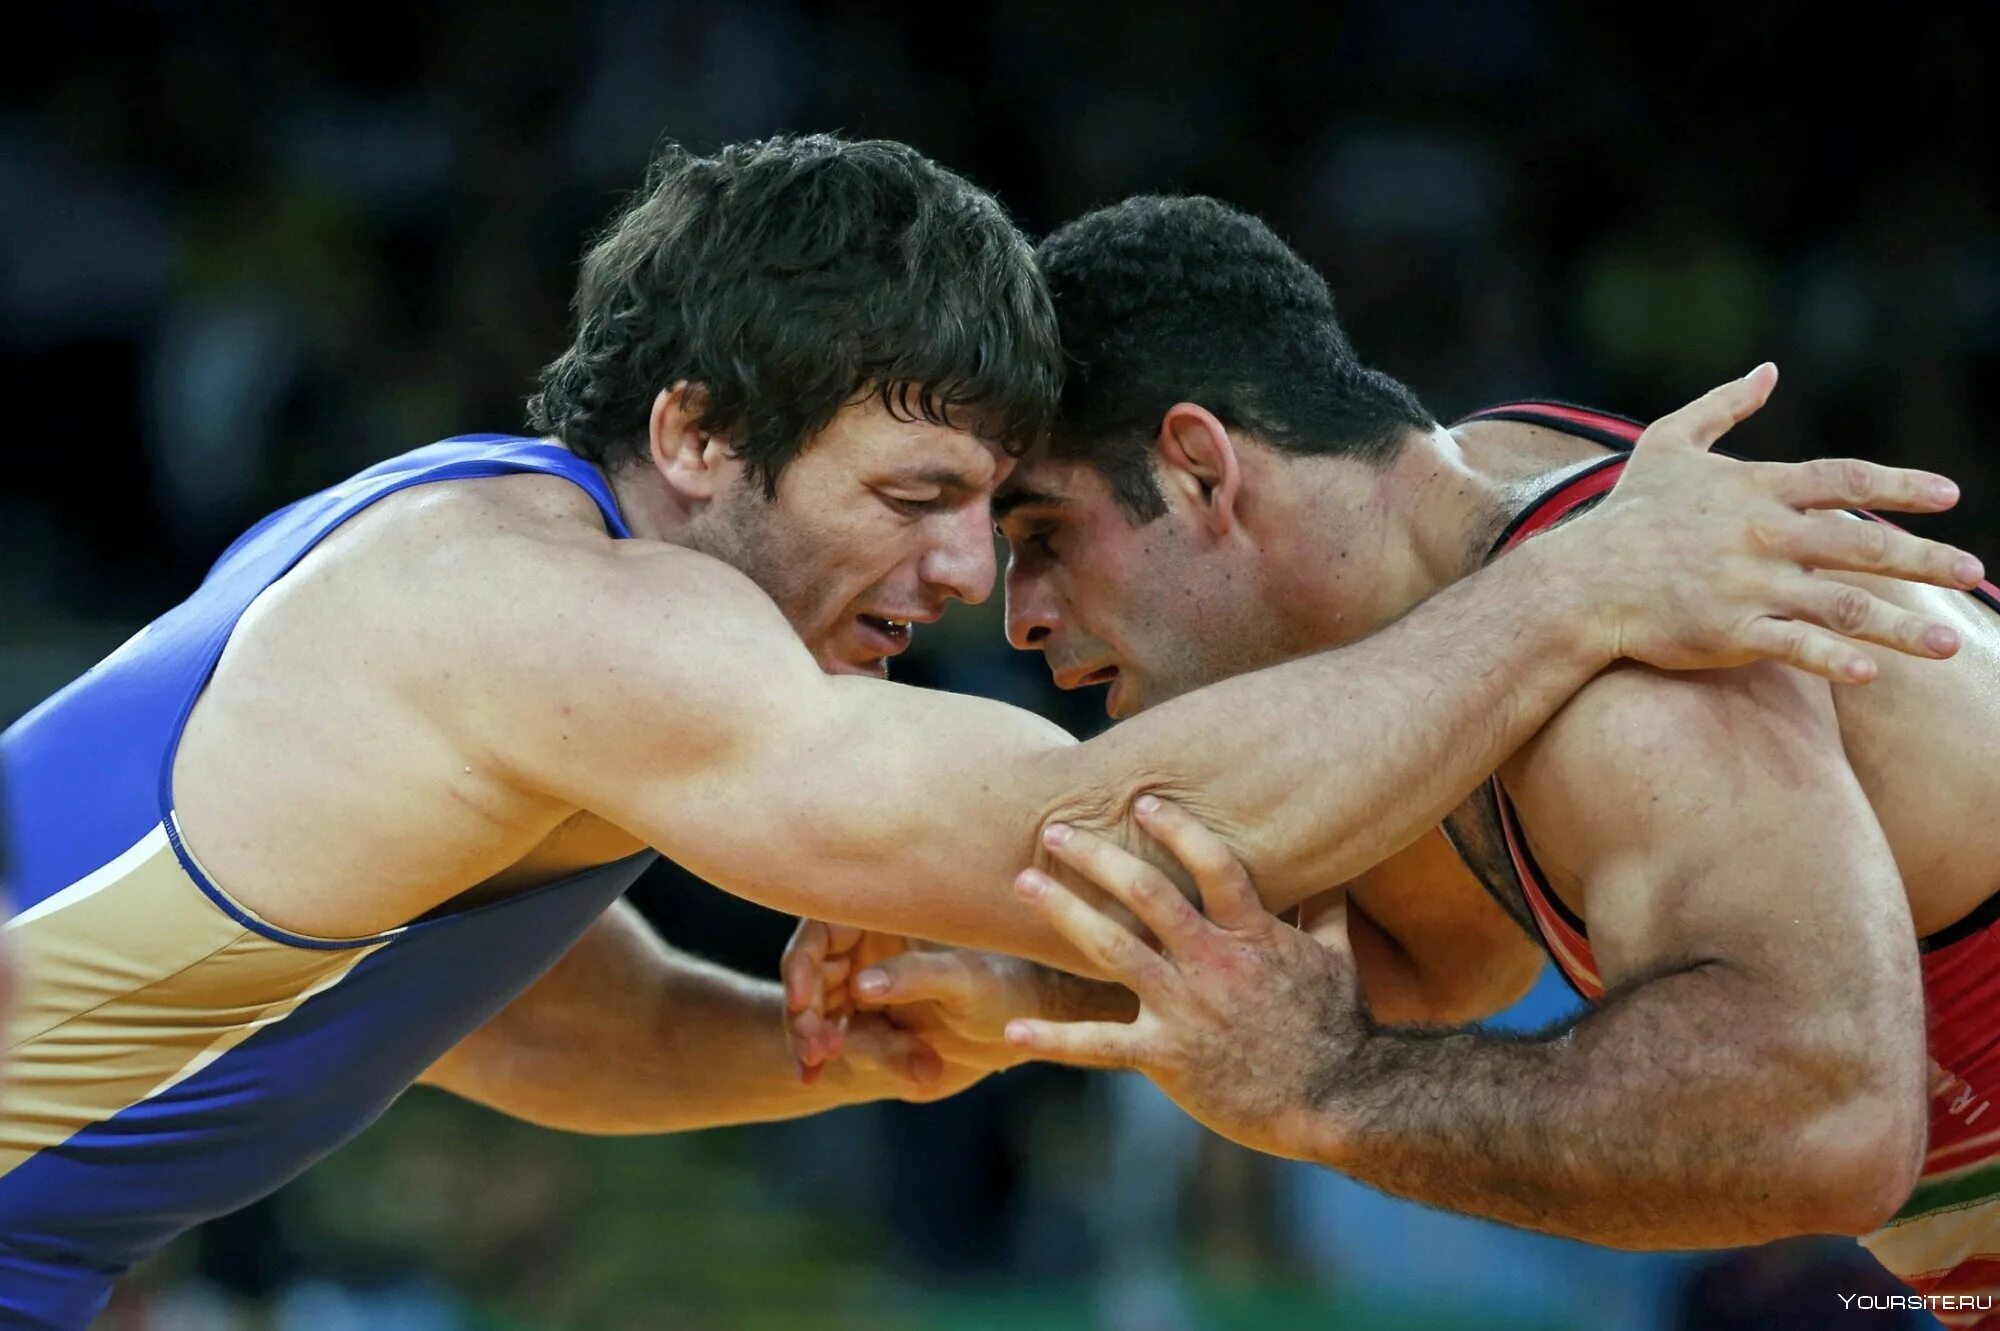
(1858, 1164)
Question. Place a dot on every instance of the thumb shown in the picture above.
(914, 977)
(1705, 420)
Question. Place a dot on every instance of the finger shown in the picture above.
(1144, 890)
(874, 1042)
(1706, 419)
(807, 1032)
(915, 977)
(1840, 541)
(1228, 897)
(816, 1038)
(1090, 1044)
(1109, 945)
(1854, 612)
(1853, 483)
(1809, 648)
(804, 956)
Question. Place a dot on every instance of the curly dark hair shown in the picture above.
(789, 277)
(1163, 300)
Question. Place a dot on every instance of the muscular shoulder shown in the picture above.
(1635, 733)
(503, 604)
(1654, 795)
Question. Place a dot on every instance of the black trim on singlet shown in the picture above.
(1980, 917)
(1532, 411)
(1549, 894)
(1529, 513)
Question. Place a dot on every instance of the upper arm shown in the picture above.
(1712, 819)
(668, 695)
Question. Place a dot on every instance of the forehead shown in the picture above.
(871, 437)
(1039, 480)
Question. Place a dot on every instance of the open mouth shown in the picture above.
(886, 636)
(1101, 675)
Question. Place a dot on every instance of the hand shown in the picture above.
(1695, 561)
(961, 1000)
(884, 1058)
(1243, 1020)
(818, 962)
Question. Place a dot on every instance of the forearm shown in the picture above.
(1316, 769)
(1678, 1116)
(1312, 770)
(627, 1035)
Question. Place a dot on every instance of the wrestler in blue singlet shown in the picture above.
(170, 1056)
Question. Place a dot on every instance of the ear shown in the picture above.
(1199, 459)
(695, 463)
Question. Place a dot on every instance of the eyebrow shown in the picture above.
(1022, 496)
(942, 477)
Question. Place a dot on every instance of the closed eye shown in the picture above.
(1031, 538)
(912, 506)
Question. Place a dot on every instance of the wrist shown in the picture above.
(1575, 621)
(1321, 1122)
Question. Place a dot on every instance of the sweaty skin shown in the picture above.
(1754, 853)
(501, 693)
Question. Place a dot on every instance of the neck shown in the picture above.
(1364, 544)
(650, 508)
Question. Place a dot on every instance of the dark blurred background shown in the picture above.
(248, 249)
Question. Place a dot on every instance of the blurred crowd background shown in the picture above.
(247, 249)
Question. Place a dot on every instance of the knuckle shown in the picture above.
(1854, 480)
(1141, 890)
(1872, 543)
(1848, 609)
(1765, 536)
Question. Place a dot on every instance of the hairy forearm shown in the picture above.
(1679, 1115)
(627, 1035)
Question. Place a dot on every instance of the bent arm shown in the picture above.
(627, 1035)
(1758, 1069)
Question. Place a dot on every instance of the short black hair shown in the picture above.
(785, 278)
(1162, 300)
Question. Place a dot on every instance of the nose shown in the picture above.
(961, 559)
(1032, 613)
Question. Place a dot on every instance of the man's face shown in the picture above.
(877, 524)
(1152, 609)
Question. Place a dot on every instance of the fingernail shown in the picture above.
(1146, 804)
(1941, 640)
(872, 983)
(1028, 883)
(1968, 570)
(1861, 669)
(1944, 491)
(1018, 1032)
(1055, 834)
